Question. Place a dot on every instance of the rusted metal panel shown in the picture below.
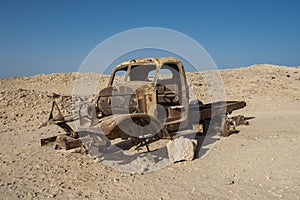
(116, 126)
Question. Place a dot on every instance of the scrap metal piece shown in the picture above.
(227, 127)
(66, 142)
(60, 121)
(239, 120)
(224, 127)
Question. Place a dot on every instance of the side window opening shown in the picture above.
(151, 75)
(119, 76)
(165, 74)
(168, 85)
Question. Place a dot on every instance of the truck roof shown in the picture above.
(138, 61)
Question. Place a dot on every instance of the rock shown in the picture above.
(52, 195)
(231, 182)
(181, 149)
(53, 95)
(19, 115)
(116, 180)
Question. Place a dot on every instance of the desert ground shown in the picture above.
(261, 161)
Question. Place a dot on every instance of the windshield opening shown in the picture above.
(137, 73)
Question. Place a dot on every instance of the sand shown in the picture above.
(260, 162)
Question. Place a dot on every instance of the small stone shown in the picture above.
(52, 195)
(19, 115)
(116, 180)
(230, 182)
(144, 169)
(132, 173)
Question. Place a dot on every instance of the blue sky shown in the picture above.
(55, 36)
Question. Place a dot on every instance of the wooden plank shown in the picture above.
(67, 142)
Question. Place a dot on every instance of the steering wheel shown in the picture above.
(171, 98)
(160, 89)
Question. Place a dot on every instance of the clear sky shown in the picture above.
(48, 36)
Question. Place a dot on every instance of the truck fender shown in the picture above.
(136, 125)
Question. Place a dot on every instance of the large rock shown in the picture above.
(181, 149)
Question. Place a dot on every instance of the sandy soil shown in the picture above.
(260, 162)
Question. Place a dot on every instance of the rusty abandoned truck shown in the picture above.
(146, 99)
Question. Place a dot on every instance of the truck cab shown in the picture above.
(152, 86)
